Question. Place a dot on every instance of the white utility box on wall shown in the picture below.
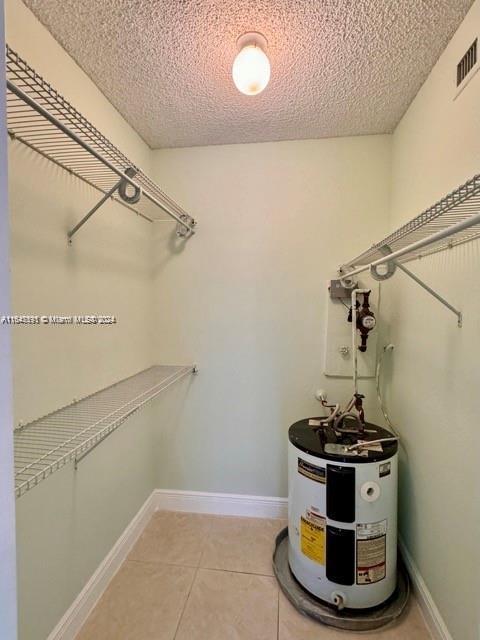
(338, 337)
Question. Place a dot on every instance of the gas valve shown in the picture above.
(365, 320)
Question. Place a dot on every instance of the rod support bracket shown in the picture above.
(392, 265)
(433, 293)
(186, 227)
(105, 197)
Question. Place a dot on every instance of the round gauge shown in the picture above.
(369, 322)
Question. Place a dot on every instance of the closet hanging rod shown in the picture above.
(121, 174)
(43, 120)
(458, 206)
(450, 222)
(420, 244)
(88, 181)
(390, 259)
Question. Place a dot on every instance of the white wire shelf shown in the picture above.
(452, 221)
(40, 118)
(47, 444)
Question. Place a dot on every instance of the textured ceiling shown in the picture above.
(339, 67)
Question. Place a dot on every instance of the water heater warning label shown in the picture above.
(371, 552)
(311, 471)
(312, 538)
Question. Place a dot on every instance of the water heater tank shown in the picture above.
(342, 515)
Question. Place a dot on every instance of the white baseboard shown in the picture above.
(263, 507)
(433, 619)
(76, 615)
(193, 501)
(218, 504)
(225, 504)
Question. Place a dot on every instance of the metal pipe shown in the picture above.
(354, 337)
(46, 114)
(362, 445)
(424, 242)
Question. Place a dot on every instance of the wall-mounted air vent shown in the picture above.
(467, 66)
(467, 63)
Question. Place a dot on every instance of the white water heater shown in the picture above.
(342, 514)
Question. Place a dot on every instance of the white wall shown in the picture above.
(246, 298)
(434, 387)
(8, 599)
(66, 525)
(109, 257)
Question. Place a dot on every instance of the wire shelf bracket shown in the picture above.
(71, 433)
(40, 118)
(450, 222)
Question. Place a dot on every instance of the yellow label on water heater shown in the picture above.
(312, 538)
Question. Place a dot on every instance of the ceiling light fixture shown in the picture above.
(251, 67)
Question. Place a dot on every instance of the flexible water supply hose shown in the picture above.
(339, 421)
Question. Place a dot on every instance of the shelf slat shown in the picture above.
(45, 445)
(450, 222)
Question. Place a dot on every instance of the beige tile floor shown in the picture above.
(198, 577)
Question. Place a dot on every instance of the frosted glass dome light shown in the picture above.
(251, 67)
